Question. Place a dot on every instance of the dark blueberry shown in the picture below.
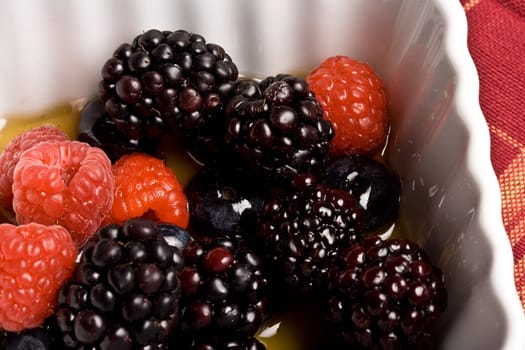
(377, 188)
(175, 235)
(38, 338)
(225, 198)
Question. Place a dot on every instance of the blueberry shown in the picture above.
(225, 198)
(377, 188)
(29, 339)
(174, 235)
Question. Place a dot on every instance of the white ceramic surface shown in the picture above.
(52, 51)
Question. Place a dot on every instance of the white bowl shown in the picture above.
(52, 52)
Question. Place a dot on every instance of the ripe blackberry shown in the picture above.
(125, 292)
(303, 228)
(377, 188)
(277, 125)
(223, 200)
(386, 294)
(224, 291)
(98, 129)
(166, 78)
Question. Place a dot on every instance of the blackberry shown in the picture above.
(224, 292)
(377, 187)
(125, 291)
(98, 129)
(165, 79)
(386, 294)
(223, 200)
(303, 228)
(277, 126)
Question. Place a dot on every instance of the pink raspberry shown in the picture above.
(68, 183)
(12, 152)
(34, 262)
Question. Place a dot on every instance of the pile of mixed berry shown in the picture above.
(108, 250)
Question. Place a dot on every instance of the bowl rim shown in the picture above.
(500, 276)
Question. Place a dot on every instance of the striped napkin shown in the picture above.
(497, 44)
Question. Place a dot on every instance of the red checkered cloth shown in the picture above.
(497, 44)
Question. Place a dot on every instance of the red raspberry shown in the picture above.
(68, 183)
(34, 262)
(353, 99)
(12, 152)
(145, 186)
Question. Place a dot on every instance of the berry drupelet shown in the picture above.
(386, 294)
(303, 228)
(163, 80)
(224, 292)
(277, 126)
(125, 292)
